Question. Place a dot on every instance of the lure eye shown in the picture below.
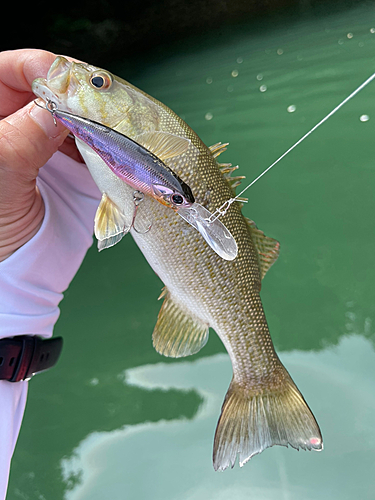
(177, 199)
(101, 81)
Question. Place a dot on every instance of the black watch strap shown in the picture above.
(23, 356)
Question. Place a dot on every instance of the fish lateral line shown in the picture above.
(223, 209)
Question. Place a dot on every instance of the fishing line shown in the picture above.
(225, 206)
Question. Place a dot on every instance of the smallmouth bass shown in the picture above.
(263, 406)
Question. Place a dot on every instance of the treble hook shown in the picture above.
(137, 200)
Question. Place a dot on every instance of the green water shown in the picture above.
(114, 419)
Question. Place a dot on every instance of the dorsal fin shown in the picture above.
(226, 168)
(162, 144)
(177, 333)
(242, 200)
(267, 248)
(235, 181)
(218, 148)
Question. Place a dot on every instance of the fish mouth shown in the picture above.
(40, 89)
(60, 80)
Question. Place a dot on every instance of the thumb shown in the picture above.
(28, 138)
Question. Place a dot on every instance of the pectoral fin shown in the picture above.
(177, 333)
(110, 242)
(110, 223)
(162, 144)
(267, 248)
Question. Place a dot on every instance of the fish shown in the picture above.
(263, 407)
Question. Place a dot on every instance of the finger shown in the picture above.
(28, 138)
(18, 69)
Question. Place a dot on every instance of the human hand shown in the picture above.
(28, 138)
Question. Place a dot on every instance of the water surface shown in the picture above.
(116, 420)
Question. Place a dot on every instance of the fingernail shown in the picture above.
(46, 122)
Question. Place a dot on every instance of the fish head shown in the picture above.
(84, 90)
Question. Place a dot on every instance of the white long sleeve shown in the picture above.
(33, 279)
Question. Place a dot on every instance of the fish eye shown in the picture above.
(101, 80)
(177, 199)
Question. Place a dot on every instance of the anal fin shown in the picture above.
(177, 333)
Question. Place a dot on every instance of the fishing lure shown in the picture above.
(140, 163)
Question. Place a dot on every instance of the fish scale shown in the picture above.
(263, 407)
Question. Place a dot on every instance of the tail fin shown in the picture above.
(252, 421)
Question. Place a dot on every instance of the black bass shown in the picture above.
(263, 406)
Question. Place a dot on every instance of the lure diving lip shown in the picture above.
(140, 164)
(214, 233)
